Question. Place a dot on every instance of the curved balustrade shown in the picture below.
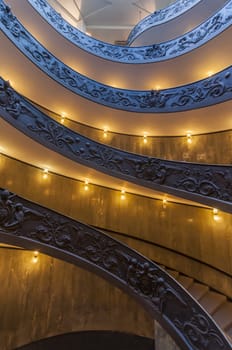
(29, 225)
(207, 184)
(178, 71)
(160, 16)
(147, 54)
(179, 25)
(203, 93)
(200, 148)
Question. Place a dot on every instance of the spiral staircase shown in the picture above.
(135, 142)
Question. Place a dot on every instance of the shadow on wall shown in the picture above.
(92, 340)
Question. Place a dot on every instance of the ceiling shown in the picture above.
(107, 20)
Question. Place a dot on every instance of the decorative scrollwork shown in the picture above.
(198, 36)
(209, 181)
(13, 214)
(160, 16)
(197, 330)
(203, 93)
(167, 301)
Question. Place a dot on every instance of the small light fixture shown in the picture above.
(123, 194)
(189, 138)
(35, 256)
(210, 73)
(145, 138)
(105, 132)
(86, 185)
(63, 116)
(45, 173)
(164, 203)
(215, 214)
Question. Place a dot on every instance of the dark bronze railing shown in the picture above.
(215, 89)
(153, 53)
(29, 225)
(207, 184)
(160, 16)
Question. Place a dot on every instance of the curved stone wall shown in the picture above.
(182, 17)
(52, 297)
(160, 16)
(193, 231)
(200, 94)
(137, 55)
(29, 225)
(202, 148)
(207, 184)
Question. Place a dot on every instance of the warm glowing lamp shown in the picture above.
(35, 256)
(86, 185)
(105, 132)
(145, 138)
(63, 116)
(189, 138)
(45, 173)
(123, 195)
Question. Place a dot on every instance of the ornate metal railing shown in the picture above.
(160, 16)
(31, 226)
(153, 53)
(199, 94)
(207, 184)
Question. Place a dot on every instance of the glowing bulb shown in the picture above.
(63, 116)
(165, 203)
(145, 138)
(209, 73)
(216, 217)
(123, 196)
(86, 186)
(105, 132)
(45, 173)
(189, 138)
(35, 257)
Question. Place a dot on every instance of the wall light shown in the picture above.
(35, 256)
(45, 173)
(63, 116)
(105, 132)
(86, 185)
(145, 138)
(164, 203)
(216, 214)
(189, 137)
(209, 73)
(123, 194)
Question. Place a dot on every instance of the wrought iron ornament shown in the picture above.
(160, 16)
(144, 54)
(167, 301)
(202, 93)
(206, 181)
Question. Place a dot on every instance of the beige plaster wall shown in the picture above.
(186, 229)
(52, 297)
(212, 148)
